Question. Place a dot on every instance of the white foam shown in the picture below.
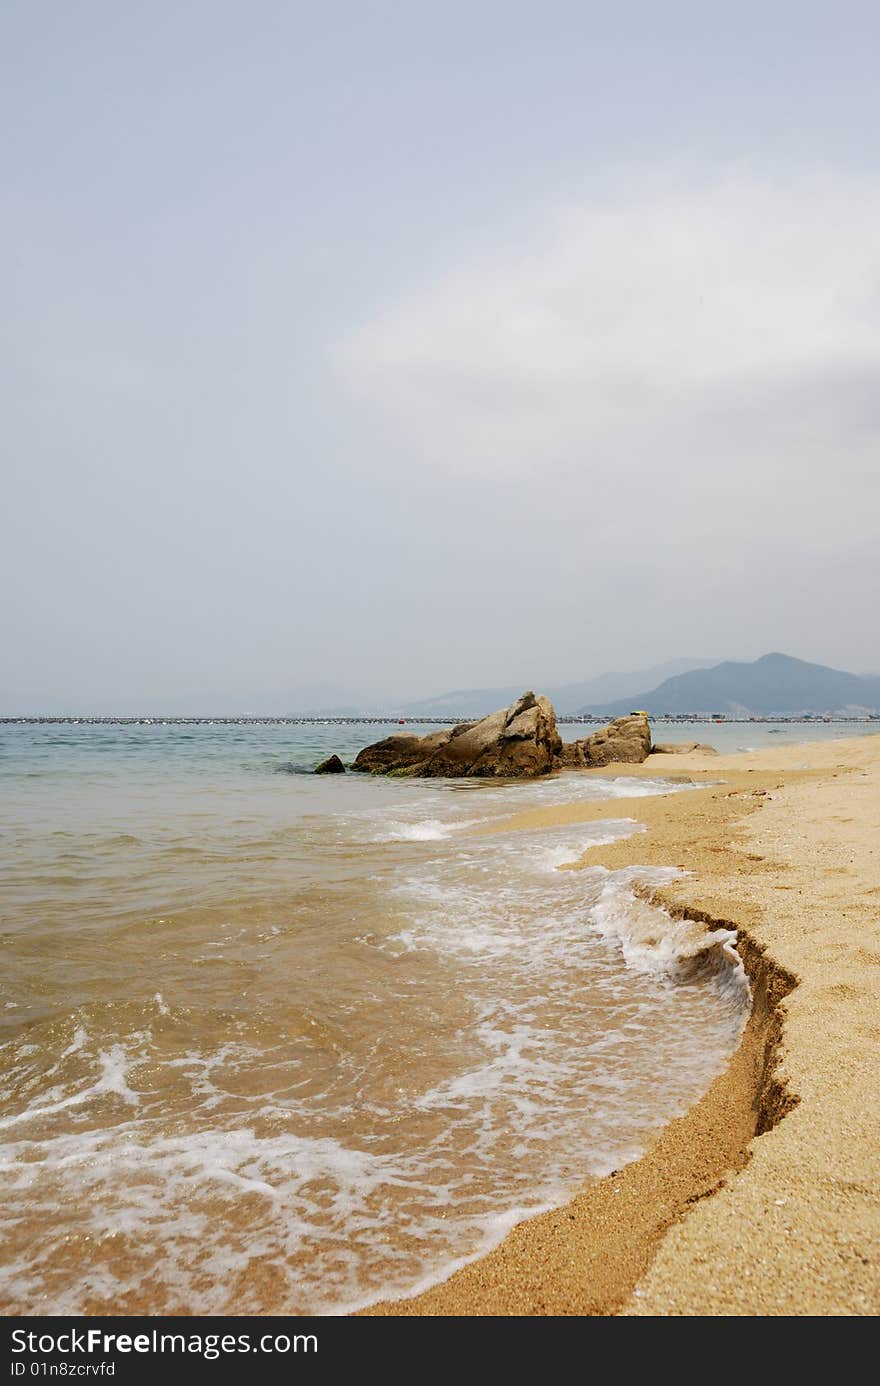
(493, 1228)
(427, 830)
(77, 1044)
(551, 858)
(112, 1079)
(575, 787)
(515, 1060)
(444, 809)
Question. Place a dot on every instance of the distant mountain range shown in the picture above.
(567, 698)
(776, 683)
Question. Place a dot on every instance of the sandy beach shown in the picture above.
(763, 1199)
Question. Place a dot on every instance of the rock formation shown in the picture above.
(627, 739)
(516, 742)
(519, 741)
(332, 766)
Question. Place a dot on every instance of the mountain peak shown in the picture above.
(774, 684)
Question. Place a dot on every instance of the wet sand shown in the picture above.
(763, 1199)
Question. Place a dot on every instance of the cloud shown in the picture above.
(662, 328)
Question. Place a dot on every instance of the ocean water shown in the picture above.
(272, 1042)
(731, 737)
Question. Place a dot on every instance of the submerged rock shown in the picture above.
(682, 748)
(331, 766)
(520, 741)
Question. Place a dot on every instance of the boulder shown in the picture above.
(398, 752)
(571, 757)
(332, 766)
(682, 748)
(519, 741)
(626, 739)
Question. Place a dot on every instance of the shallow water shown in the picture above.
(273, 1042)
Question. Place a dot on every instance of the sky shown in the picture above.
(394, 348)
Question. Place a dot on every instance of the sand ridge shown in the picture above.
(763, 1199)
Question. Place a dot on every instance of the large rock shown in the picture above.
(516, 742)
(626, 739)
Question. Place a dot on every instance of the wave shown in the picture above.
(424, 830)
(652, 941)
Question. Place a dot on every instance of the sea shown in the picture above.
(273, 1042)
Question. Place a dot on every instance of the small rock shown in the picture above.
(681, 748)
(332, 766)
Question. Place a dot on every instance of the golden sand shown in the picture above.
(764, 1198)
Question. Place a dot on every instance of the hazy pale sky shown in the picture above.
(409, 346)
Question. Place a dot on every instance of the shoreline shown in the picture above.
(771, 1179)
